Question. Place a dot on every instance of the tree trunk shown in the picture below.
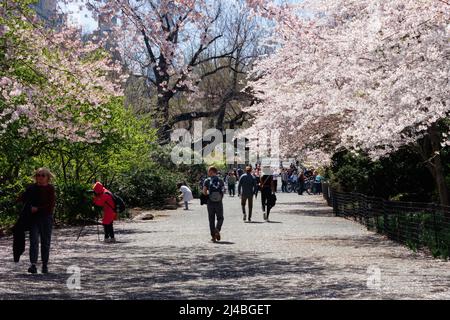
(440, 182)
(436, 165)
(162, 120)
(221, 117)
(429, 149)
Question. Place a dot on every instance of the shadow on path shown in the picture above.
(175, 273)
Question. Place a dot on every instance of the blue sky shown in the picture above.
(84, 17)
(79, 17)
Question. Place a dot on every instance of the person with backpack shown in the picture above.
(105, 199)
(187, 194)
(39, 204)
(213, 188)
(247, 188)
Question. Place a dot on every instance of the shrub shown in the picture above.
(9, 207)
(149, 187)
(74, 204)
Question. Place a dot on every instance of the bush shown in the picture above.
(401, 176)
(9, 207)
(196, 192)
(418, 230)
(74, 204)
(149, 187)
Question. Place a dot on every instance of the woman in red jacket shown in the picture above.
(103, 198)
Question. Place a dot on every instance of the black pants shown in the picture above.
(215, 209)
(109, 231)
(317, 187)
(244, 200)
(275, 184)
(283, 186)
(301, 187)
(265, 194)
(40, 232)
(232, 188)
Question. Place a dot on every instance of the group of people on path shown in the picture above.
(213, 190)
(302, 180)
(249, 183)
(39, 201)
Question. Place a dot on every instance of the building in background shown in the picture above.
(47, 11)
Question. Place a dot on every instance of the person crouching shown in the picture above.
(104, 199)
(187, 194)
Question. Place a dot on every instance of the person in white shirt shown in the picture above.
(187, 194)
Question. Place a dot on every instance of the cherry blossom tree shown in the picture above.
(368, 76)
(52, 81)
(169, 43)
(53, 86)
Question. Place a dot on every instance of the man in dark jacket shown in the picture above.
(247, 188)
(213, 188)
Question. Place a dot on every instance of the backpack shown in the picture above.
(118, 202)
(215, 190)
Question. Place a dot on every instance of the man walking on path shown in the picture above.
(284, 180)
(232, 183)
(247, 188)
(214, 189)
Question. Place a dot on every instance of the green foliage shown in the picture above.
(418, 230)
(190, 174)
(402, 176)
(127, 161)
(150, 187)
(126, 146)
(74, 203)
(9, 208)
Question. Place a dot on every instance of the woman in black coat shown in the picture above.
(39, 199)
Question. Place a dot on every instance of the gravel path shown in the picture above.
(304, 253)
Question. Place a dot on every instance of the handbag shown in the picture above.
(272, 200)
(203, 199)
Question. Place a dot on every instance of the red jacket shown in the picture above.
(102, 199)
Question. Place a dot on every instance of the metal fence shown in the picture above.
(418, 225)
